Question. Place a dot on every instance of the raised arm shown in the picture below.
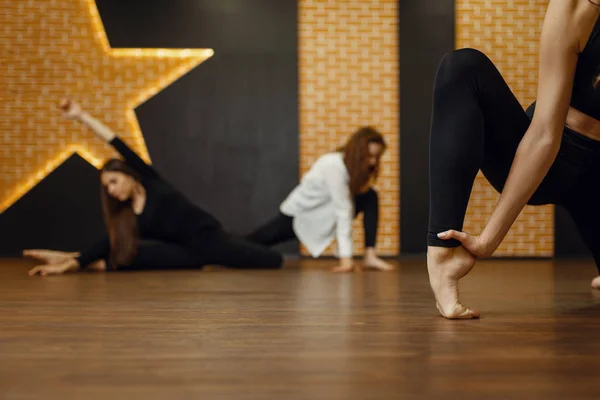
(335, 179)
(565, 31)
(73, 110)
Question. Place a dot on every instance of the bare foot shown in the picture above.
(446, 266)
(49, 256)
(342, 269)
(374, 262)
(596, 283)
(98, 266)
(371, 261)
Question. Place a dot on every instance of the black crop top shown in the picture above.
(585, 97)
(167, 216)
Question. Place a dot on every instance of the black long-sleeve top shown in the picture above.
(167, 216)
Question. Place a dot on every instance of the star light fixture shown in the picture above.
(57, 49)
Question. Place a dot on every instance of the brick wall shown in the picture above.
(508, 32)
(349, 77)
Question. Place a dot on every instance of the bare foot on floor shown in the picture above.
(446, 266)
(340, 269)
(49, 256)
(97, 266)
(376, 263)
(596, 283)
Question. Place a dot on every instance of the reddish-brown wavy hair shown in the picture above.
(356, 157)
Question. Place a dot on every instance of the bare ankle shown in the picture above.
(439, 254)
(370, 252)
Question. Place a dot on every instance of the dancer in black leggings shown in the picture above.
(337, 188)
(551, 158)
(150, 224)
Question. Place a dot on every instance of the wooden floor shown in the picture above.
(300, 333)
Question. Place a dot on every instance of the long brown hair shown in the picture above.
(120, 219)
(356, 157)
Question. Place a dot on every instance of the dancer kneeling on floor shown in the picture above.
(150, 224)
(336, 189)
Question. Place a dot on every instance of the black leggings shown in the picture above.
(477, 124)
(221, 249)
(280, 229)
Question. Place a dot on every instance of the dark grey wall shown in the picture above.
(426, 34)
(62, 212)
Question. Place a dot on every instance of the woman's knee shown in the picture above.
(368, 200)
(368, 196)
(371, 196)
(460, 64)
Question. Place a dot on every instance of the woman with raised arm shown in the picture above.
(150, 224)
(552, 157)
(338, 187)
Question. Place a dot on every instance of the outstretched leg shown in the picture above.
(368, 204)
(278, 230)
(477, 123)
(161, 255)
(236, 252)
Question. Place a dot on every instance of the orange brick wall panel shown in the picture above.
(348, 71)
(508, 32)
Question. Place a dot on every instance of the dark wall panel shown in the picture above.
(426, 34)
(228, 26)
(62, 212)
(226, 134)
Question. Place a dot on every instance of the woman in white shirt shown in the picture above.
(337, 188)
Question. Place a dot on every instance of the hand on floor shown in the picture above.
(55, 269)
(51, 269)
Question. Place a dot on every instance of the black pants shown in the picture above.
(477, 124)
(220, 248)
(280, 228)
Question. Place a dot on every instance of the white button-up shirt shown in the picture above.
(322, 206)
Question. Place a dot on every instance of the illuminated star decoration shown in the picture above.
(53, 49)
